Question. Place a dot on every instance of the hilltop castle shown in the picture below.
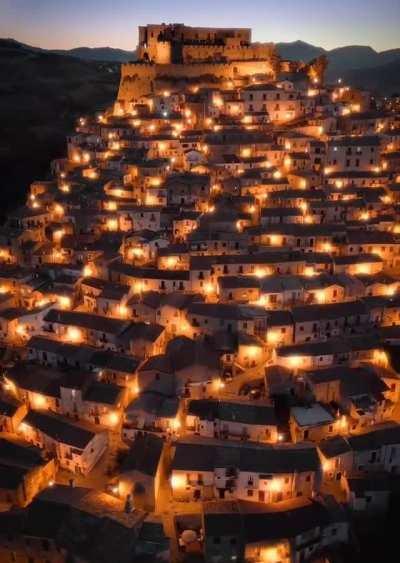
(175, 54)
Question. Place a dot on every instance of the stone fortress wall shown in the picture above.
(176, 43)
(139, 79)
(229, 52)
(177, 52)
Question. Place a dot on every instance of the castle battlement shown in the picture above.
(178, 52)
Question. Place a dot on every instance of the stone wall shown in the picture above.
(139, 79)
(231, 51)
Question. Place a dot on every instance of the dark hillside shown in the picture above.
(41, 95)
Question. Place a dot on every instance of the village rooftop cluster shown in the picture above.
(199, 316)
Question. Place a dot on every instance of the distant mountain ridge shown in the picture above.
(341, 59)
(360, 65)
(106, 54)
(101, 54)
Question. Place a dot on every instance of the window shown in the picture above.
(250, 492)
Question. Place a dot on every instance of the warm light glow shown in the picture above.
(363, 269)
(58, 235)
(245, 152)
(155, 181)
(178, 481)
(172, 261)
(24, 427)
(138, 287)
(275, 485)
(270, 555)
(136, 252)
(253, 351)
(390, 290)
(135, 389)
(309, 271)
(209, 288)
(327, 466)
(59, 210)
(21, 330)
(123, 311)
(381, 358)
(175, 424)
(111, 205)
(275, 240)
(260, 272)
(320, 296)
(294, 361)
(219, 384)
(38, 401)
(272, 337)
(113, 418)
(73, 334)
(9, 386)
(88, 271)
(327, 247)
(112, 224)
(57, 255)
(64, 301)
(365, 216)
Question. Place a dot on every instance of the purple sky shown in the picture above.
(327, 23)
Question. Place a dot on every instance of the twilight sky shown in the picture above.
(328, 23)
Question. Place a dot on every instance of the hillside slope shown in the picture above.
(41, 94)
(383, 79)
(107, 54)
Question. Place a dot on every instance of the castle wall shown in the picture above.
(231, 51)
(138, 79)
(156, 51)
